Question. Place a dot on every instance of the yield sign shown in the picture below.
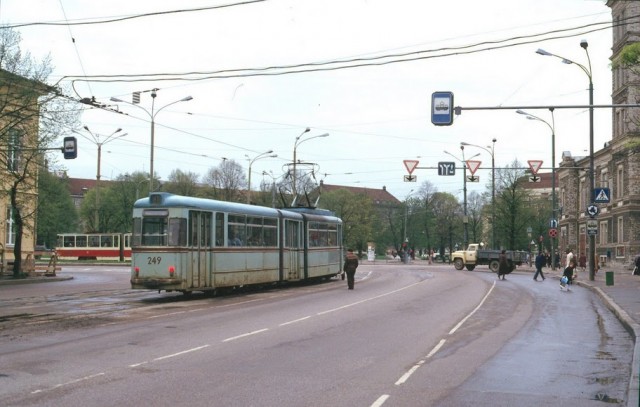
(473, 166)
(535, 165)
(410, 165)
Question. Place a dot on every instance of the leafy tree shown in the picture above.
(182, 183)
(447, 211)
(357, 214)
(32, 117)
(56, 212)
(512, 207)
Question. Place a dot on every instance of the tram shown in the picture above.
(187, 244)
(93, 246)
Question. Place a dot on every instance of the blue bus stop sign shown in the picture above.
(442, 108)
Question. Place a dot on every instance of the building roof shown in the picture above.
(378, 196)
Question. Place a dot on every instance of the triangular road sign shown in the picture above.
(410, 165)
(473, 166)
(535, 165)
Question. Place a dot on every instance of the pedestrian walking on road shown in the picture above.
(350, 266)
(541, 260)
(503, 265)
(568, 275)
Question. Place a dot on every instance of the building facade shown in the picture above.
(616, 165)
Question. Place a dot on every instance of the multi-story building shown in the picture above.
(616, 165)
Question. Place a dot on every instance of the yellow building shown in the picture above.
(21, 157)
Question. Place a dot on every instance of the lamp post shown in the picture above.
(493, 185)
(465, 220)
(258, 157)
(299, 141)
(95, 138)
(152, 116)
(405, 242)
(273, 187)
(592, 184)
(552, 127)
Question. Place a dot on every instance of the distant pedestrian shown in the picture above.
(582, 262)
(636, 269)
(503, 265)
(541, 260)
(350, 266)
(568, 275)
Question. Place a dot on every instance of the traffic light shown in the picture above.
(70, 148)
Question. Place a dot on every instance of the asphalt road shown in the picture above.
(406, 336)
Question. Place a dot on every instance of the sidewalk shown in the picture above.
(623, 299)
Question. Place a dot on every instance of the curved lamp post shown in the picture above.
(299, 141)
(152, 115)
(95, 139)
(592, 185)
(493, 185)
(465, 220)
(258, 157)
(552, 127)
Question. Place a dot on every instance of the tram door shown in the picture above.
(199, 248)
(294, 249)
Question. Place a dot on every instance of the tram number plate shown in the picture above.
(154, 260)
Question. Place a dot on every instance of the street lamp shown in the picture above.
(592, 185)
(295, 147)
(273, 187)
(152, 116)
(95, 138)
(258, 157)
(465, 220)
(552, 127)
(493, 186)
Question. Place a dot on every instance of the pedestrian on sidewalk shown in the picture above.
(541, 260)
(350, 266)
(569, 274)
(636, 269)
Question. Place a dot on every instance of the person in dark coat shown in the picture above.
(503, 265)
(350, 266)
(540, 262)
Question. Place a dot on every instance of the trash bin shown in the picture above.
(608, 277)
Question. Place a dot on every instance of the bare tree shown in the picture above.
(226, 181)
(182, 183)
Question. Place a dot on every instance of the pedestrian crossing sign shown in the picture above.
(601, 195)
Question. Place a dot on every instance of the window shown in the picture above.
(620, 182)
(10, 238)
(13, 150)
(604, 232)
(620, 229)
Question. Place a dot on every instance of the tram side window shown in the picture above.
(270, 233)
(177, 232)
(219, 229)
(137, 232)
(106, 241)
(236, 230)
(318, 234)
(94, 241)
(332, 235)
(291, 232)
(69, 241)
(254, 231)
(81, 241)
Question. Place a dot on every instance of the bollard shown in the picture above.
(608, 277)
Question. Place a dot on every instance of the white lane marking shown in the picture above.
(245, 335)
(455, 328)
(68, 383)
(436, 348)
(170, 356)
(368, 299)
(294, 321)
(380, 400)
(408, 374)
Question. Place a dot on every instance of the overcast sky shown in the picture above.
(377, 114)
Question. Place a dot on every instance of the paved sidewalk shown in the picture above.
(623, 299)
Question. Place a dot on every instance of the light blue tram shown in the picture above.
(187, 244)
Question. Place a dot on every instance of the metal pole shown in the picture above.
(153, 129)
(592, 238)
(465, 221)
(493, 195)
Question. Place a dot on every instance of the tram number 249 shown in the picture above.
(154, 260)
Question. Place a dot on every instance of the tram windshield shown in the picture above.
(157, 229)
